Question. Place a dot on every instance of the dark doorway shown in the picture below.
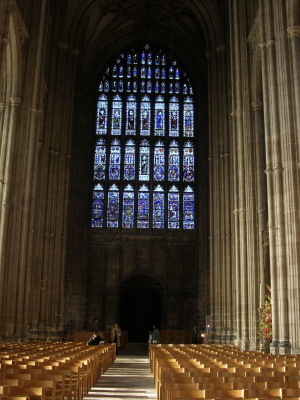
(140, 308)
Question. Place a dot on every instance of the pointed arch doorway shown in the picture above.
(140, 306)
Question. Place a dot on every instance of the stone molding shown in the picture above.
(257, 105)
(15, 101)
(293, 30)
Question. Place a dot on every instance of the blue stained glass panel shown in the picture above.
(98, 207)
(129, 160)
(115, 160)
(100, 160)
(144, 166)
(188, 118)
(173, 208)
(143, 208)
(149, 58)
(115, 71)
(113, 207)
(157, 59)
(171, 73)
(159, 122)
(116, 123)
(131, 106)
(188, 209)
(159, 162)
(102, 115)
(188, 162)
(121, 71)
(174, 162)
(158, 207)
(149, 73)
(174, 117)
(145, 116)
(157, 73)
(143, 72)
(135, 72)
(128, 207)
(177, 73)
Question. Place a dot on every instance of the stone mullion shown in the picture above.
(6, 9)
(270, 178)
(8, 283)
(240, 154)
(294, 38)
(279, 192)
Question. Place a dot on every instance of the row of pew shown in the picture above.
(184, 372)
(51, 370)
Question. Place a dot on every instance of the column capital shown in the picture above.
(75, 53)
(263, 44)
(221, 49)
(293, 30)
(62, 46)
(4, 40)
(208, 55)
(257, 105)
(15, 101)
(2, 106)
(271, 41)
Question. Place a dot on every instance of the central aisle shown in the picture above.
(129, 377)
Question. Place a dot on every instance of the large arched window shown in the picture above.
(144, 152)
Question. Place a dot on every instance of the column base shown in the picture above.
(285, 347)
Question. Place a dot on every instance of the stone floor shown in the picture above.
(129, 377)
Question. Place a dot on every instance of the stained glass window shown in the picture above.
(102, 115)
(143, 208)
(115, 160)
(174, 117)
(159, 161)
(116, 123)
(144, 165)
(113, 207)
(159, 128)
(188, 117)
(129, 161)
(188, 208)
(173, 208)
(98, 207)
(145, 116)
(128, 207)
(100, 160)
(174, 162)
(188, 162)
(144, 143)
(158, 207)
(131, 115)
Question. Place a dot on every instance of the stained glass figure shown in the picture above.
(100, 160)
(135, 72)
(113, 207)
(163, 59)
(157, 59)
(129, 59)
(143, 86)
(174, 162)
(102, 114)
(188, 208)
(144, 157)
(121, 71)
(163, 87)
(143, 58)
(145, 116)
(101, 87)
(129, 160)
(171, 73)
(177, 87)
(159, 161)
(131, 107)
(121, 86)
(191, 89)
(129, 71)
(156, 86)
(135, 86)
(157, 73)
(106, 86)
(114, 86)
(143, 208)
(149, 58)
(115, 71)
(98, 207)
(185, 88)
(115, 160)
(163, 73)
(116, 123)
(149, 86)
(143, 72)
(171, 88)
(173, 208)
(118, 60)
(174, 117)
(149, 73)
(135, 58)
(128, 86)
(128, 207)
(159, 128)
(177, 73)
(188, 117)
(188, 162)
(158, 207)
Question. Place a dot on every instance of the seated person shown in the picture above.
(95, 340)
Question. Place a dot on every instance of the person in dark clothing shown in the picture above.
(95, 340)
